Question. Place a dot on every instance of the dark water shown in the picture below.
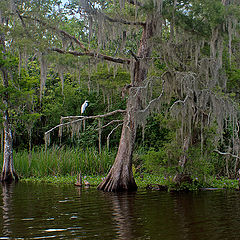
(41, 211)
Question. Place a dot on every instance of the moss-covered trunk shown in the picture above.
(120, 177)
(8, 172)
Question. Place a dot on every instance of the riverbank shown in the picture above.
(62, 165)
(144, 181)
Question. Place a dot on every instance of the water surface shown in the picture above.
(46, 211)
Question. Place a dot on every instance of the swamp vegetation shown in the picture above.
(162, 81)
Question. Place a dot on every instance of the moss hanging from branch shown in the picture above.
(61, 76)
(43, 73)
(74, 124)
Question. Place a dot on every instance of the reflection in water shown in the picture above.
(123, 214)
(207, 215)
(7, 191)
(115, 213)
(42, 211)
(183, 210)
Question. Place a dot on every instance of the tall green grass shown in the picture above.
(62, 161)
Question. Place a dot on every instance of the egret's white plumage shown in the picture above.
(83, 107)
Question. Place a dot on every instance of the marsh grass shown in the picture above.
(62, 162)
(61, 165)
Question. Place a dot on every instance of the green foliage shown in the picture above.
(110, 78)
(212, 12)
(154, 161)
(233, 83)
(68, 179)
(86, 138)
(144, 180)
(223, 183)
(201, 166)
(159, 130)
(69, 103)
(163, 161)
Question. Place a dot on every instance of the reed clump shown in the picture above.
(62, 161)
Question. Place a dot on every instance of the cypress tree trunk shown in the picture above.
(120, 177)
(8, 172)
(181, 176)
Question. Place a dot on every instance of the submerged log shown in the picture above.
(211, 189)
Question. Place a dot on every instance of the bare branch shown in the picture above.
(134, 55)
(85, 118)
(178, 101)
(108, 137)
(154, 101)
(230, 154)
(73, 38)
(93, 54)
(75, 53)
(113, 121)
(24, 25)
(57, 30)
(86, 51)
(140, 88)
(71, 117)
(122, 21)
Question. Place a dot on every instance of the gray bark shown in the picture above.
(120, 177)
(8, 172)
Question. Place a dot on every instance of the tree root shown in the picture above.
(117, 184)
(9, 176)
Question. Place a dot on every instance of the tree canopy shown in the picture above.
(181, 56)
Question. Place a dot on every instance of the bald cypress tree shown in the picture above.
(192, 42)
(8, 173)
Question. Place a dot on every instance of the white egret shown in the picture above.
(83, 107)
